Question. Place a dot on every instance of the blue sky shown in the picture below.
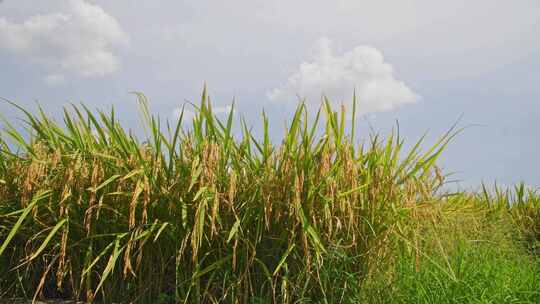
(424, 63)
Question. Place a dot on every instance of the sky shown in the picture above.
(423, 63)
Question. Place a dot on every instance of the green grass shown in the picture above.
(483, 274)
(474, 254)
(88, 211)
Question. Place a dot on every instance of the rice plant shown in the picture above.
(89, 211)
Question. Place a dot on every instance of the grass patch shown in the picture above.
(479, 274)
(472, 253)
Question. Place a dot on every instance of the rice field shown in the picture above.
(201, 214)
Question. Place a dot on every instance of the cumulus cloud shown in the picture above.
(189, 115)
(222, 110)
(336, 76)
(54, 80)
(80, 40)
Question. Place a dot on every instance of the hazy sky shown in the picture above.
(424, 63)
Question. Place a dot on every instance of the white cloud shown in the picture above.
(363, 69)
(79, 40)
(54, 80)
(189, 114)
(222, 110)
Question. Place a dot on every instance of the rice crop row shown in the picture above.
(89, 211)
